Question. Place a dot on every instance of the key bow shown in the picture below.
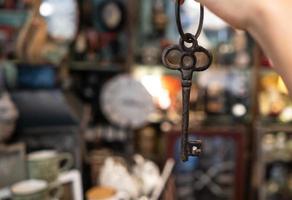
(183, 57)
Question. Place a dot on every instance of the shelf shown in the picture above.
(277, 160)
(274, 127)
(235, 128)
(95, 66)
(14, 18)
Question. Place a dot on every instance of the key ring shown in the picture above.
(186, 37)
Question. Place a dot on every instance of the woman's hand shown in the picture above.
(268, 21)
(238, 13)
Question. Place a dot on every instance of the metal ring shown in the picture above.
(189, 39)
(179, 26)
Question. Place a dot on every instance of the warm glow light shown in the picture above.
(286, 115)
(281, 86)
(46, 9)
(154, 86)
(239, 110)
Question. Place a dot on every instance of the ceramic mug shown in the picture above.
(46, 164)
(32, 190)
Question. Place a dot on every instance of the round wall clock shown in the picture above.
(126, 102)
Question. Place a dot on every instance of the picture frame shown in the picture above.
(12, 164)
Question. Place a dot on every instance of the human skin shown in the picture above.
(269, 23)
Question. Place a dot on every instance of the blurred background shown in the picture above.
(87, 111)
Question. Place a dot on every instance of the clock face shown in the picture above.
(112, 15)
(126, 102)
(61, 17)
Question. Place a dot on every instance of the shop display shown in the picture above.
(102, 37)
(107, 97)
(41, 40)
(275, 162)
(220, 98)
(278, 184)
(274, 100)
(185, 59)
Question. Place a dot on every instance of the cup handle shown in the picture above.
(68, 159)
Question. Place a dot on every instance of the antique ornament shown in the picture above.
(186, 57)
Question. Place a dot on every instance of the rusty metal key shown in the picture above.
(187, 57)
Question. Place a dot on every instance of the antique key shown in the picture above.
(185, 58)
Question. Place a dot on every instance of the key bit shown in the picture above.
(195, 148)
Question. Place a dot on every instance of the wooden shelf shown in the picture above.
(95, 66)
(274, 127)
(14, 18)
(215, 129)
(269, 161)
